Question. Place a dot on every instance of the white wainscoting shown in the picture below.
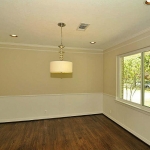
(135, 121)
(33, 107)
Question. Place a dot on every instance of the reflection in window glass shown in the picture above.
(131, 78)
(147, 79)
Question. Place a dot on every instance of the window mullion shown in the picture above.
(142, 78)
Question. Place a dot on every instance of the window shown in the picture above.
(133, 78)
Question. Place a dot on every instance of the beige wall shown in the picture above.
(26, 72)
(131, 118)
(110, 59)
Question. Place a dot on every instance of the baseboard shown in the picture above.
(128, 129)
(48, 117)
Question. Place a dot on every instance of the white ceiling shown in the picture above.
(35, 21)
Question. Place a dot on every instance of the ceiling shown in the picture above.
(35, 22)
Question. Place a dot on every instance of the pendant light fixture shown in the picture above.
(61, 66)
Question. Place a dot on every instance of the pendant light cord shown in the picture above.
(61, 45)
(61, 34)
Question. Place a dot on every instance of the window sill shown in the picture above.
(134, 105)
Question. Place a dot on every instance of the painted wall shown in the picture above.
(28, 91)
(26, 72)
(132, 119)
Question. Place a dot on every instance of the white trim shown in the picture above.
(128, 129)
(118, 78)
(129, 104)
(138, 107)
(45, 46)
(118, 73)
(27, 45)
(54, 51)
(109, 95)
(20, 46)
(144, 49)
(49, 95)
(49, 117)
(112, 48)
(34, 107)
(86, 49)
(29, 49)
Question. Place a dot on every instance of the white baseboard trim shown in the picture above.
(49, 117)
(128, 129)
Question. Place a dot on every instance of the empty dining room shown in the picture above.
(75, 75)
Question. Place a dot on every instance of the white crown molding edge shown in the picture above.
(47, 48)
(73, 49)
(127, 39)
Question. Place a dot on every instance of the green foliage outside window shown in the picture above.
(133, 76)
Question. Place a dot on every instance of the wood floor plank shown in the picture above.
(95, 132)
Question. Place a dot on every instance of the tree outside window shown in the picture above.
(135, 78)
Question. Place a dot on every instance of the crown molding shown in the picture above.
(130, 40)
(20, 46)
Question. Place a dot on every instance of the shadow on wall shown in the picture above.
(61, 75)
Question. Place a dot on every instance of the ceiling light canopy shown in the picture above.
(61, 66)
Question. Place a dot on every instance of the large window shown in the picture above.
(133, 78)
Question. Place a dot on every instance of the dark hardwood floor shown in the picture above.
(95, 132)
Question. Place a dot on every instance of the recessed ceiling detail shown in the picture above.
(111, 23)
(13, 35)
(92, 42)
(83, 26)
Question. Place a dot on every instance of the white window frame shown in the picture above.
(118, 80)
